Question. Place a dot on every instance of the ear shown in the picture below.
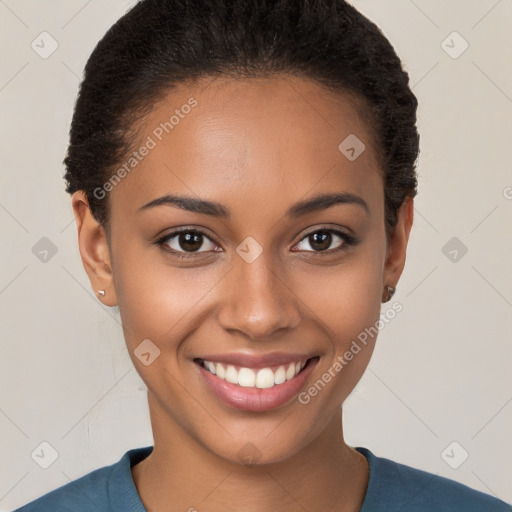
(395, 260)
(94, 250)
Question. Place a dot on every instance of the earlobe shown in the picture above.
(94, 250)
(397, 249)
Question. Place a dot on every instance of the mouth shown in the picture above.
(255, 387)
(261, 378)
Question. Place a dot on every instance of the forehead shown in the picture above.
(244, 140)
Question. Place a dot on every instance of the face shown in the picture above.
(260, 276)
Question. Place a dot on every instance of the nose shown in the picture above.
(257, 301)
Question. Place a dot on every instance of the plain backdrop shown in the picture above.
(437, 394)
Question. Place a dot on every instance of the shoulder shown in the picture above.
(94, 491)
(394, 486)
(86, 493)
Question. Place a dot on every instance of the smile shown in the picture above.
(258, 388)
(261, 378)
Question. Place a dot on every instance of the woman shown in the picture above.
(242, 176)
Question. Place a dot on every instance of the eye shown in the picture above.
(322, 239)
(186, 241)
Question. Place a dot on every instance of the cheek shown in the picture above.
(158, 302)
(347, 312)
(164, 305)
(346, 299)
(346, 304)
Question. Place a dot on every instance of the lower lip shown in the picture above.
(256, 399)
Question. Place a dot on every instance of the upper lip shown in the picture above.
(257, 360)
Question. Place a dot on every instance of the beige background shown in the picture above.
(441, 370)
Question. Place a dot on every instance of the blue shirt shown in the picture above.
(392, 487)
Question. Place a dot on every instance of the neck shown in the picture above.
(324, 475)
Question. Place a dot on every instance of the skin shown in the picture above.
(257, 146)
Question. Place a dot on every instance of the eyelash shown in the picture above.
(349, 240)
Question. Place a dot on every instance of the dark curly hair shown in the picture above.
(160, 43)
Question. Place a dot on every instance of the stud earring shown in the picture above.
(101, 292)
(390, 291)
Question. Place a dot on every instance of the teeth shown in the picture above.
(280, 376)
(248, 378)
(231, 375)
(265, 378)
(290, 372)
(220, 371)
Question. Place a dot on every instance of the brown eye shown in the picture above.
(190, 241)
(186, 241)
(322, 239)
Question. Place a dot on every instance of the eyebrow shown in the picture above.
(315, 204)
